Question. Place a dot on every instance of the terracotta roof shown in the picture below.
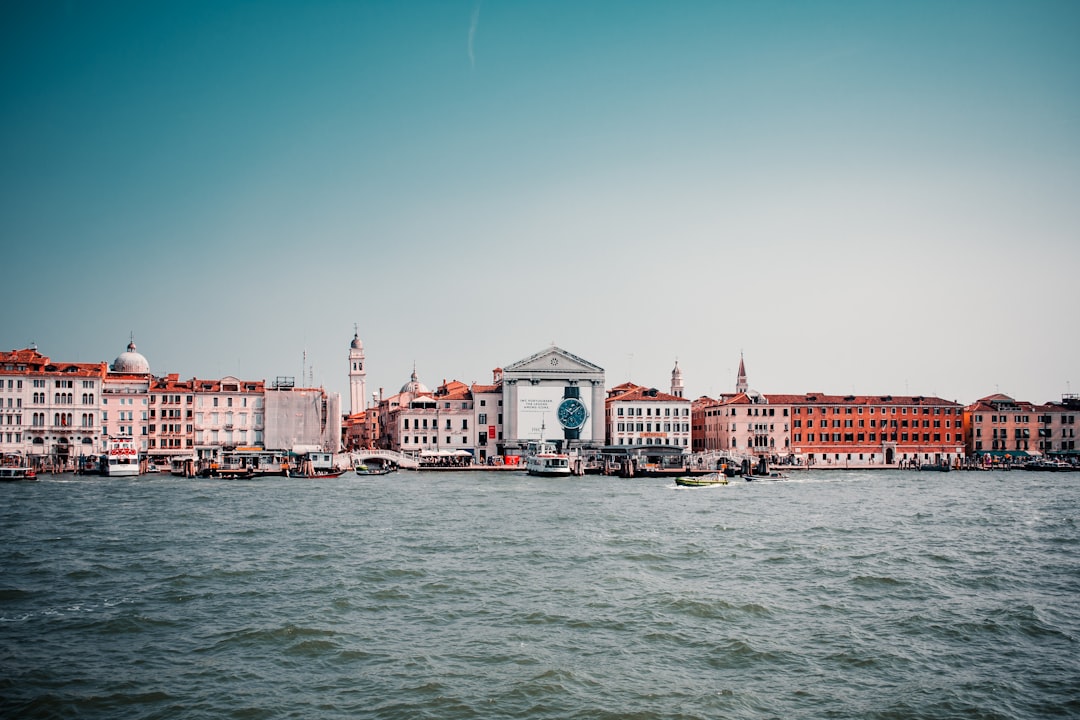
(242, 385)
(851, 400)
(642, 394)
(34, 363)
(453, 390)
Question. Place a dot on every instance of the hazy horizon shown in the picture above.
(862, 198)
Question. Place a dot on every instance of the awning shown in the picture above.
(1004, 453)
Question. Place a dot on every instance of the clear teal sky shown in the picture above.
(861, 196)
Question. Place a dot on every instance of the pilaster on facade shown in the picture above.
(536, 387)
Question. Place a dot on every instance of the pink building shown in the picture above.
(998, 428)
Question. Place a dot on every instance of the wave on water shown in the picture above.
(837, 594)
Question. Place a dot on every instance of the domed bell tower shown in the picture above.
(357, 375)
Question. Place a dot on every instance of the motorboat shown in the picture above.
(768, 475)
(717, 478)
(382, 469)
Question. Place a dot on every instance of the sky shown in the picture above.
(857, 197)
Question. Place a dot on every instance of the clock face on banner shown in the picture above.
(572, 414)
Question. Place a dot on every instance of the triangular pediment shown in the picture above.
(552, 360)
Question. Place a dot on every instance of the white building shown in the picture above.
(228, 413)
(646, 416)
(553, 395)
(49, 411)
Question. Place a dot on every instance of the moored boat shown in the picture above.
(544, 459)
(182, 465)
(770, 475)
(365, 469)
(121, 458)
(15, 467)
(1048, 465)
(548, 464)
(320, 474)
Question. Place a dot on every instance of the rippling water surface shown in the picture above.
(476, 595)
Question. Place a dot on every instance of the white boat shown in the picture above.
(542, 459)
(121, 458)
(548, 464)
(15, 467)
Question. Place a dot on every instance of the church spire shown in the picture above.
(741, 385)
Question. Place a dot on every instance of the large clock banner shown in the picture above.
(537, 416)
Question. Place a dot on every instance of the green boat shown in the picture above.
(702, 480)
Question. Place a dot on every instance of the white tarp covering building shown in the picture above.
(302, 417)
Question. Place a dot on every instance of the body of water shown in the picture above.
(485, 595)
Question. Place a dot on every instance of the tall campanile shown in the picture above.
(357, 375)
(676, 381)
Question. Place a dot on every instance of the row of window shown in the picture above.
(61, 399)
(171, 443)
(636, 412)
(1026, 419)
(884, 410)
(873, 437)
(423, 440)
(652, 441)
(59, 420)
(873, 423)
(416, 424)
(648, 427)
(173, 428)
